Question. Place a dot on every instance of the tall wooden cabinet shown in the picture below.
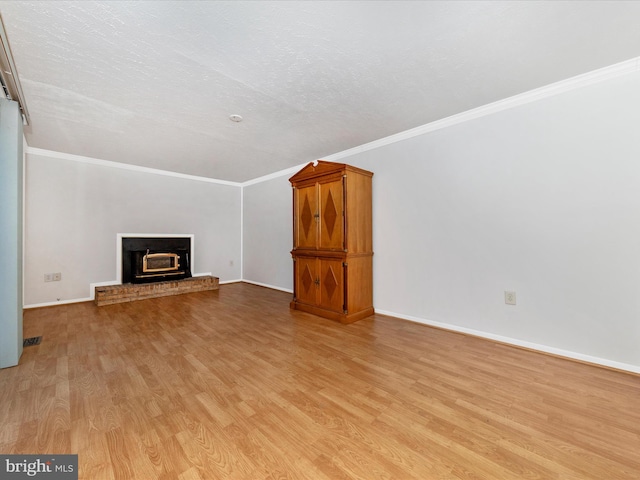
(332, 241)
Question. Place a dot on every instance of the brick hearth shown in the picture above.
(130, 292)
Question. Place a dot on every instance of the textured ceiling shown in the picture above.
(153, 83)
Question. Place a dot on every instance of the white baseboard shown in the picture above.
(207, 274)
(519, 343)
(61, 302)
(454, 328)
(92, 287)
(273, 287)
(92, 293)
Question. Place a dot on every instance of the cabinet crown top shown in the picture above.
(322, 167)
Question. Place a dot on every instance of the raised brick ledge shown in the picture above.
(130, 292)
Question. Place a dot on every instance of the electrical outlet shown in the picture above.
(510, 298)
(57, 277)
(48, 277)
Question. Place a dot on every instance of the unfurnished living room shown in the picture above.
(320, 240)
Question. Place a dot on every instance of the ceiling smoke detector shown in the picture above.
(235, 118)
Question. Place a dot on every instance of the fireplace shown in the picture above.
(155, 259)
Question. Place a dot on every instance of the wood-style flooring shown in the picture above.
(233, 384)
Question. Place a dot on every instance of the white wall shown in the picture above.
(542, 199)
(74, 210)
(11, 181)
(268, 233)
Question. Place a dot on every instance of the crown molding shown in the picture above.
(557, 88)
(271, 176)
(124, 166)
(563, 86)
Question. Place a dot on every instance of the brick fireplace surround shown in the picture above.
(129, 292)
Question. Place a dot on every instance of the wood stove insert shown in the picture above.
(146, 260)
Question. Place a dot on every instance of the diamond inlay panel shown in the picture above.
(330, 214)
(306, 217)
(307, 279)
(330, 282)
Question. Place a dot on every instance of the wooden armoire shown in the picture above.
(332, 241)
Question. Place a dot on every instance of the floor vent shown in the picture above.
(27, 342)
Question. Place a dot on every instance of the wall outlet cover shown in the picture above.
(510, 298)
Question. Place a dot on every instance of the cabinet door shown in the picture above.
(306, 217)
(331, 284)
(331, 215)
(306, 279)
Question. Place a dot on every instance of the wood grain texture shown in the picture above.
(332, 223)
(233, 384)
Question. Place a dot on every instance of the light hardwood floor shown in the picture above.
(232, 384)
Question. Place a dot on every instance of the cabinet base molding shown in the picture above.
(330, 314)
